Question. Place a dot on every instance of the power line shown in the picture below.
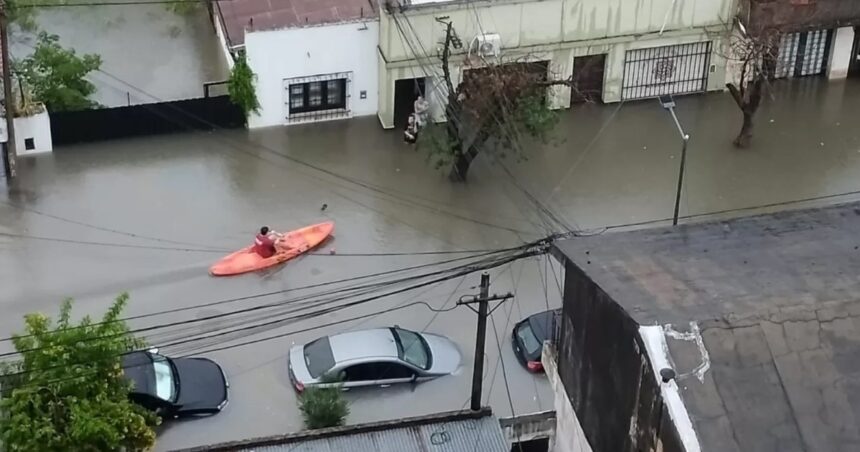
(310, 286)
(323, 311)
(107, 244)
(366, 185)
(505, 377)
(271, 305)
(201, 250)
(326, 325)
(458, 271)
(99, 228)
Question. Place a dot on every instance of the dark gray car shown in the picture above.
(376, 357)
(175, 387)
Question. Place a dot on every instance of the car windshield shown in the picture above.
(411, 348)
(528, 339)
(165, 381)
(318, 357)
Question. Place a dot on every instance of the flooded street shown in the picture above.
(149, 54)
(149, 216)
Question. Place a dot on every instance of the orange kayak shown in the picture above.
(292, 244)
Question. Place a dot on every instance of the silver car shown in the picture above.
(377, 357)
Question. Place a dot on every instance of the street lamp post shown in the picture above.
(669, 104)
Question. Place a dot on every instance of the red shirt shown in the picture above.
(264, 246)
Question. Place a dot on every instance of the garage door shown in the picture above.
(677, 69)
(804, 53)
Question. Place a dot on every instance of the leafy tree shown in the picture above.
(323, 407)
(240, 86)
(57, 76)
(494, 108)
(67, 391)
(756, 54)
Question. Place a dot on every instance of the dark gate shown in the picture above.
(588, 78)
(804, 53)
(405, 93)
(675, 69)
(147, 119)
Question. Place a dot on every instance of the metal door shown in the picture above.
(676, 69)
(803, 53)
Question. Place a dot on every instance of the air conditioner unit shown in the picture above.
(488, 45)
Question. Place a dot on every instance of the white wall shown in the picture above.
(840, 57)
(36, 127)
(525, 23)
(569, 436)
(304, 52)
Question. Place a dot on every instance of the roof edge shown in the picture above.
(446, 416)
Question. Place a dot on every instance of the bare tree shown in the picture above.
(493, 108)
(756, 54)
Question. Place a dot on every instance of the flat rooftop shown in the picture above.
(455, 431)
(776, 303)
(239, 15)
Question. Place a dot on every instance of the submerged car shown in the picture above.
(529, 335)
(175, 387)
(375, 357)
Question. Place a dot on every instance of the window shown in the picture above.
(411, 348)
(297, 97)
(165, 383)
(317, 96)
(318, 357)
(528, 339)
(376, 372)
(29, 144)
(363, 372)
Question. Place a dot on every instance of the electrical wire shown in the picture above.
(324, 311)
(100, 228)
(185, 323)
(202, 250)
(125, 367)
(310, 286)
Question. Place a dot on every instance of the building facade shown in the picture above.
(313, 61)
(614, 50)
(819, 37)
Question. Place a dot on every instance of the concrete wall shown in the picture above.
(304, 52)
(841, 53)
(569, 436)
(607, 375)
(554, 30)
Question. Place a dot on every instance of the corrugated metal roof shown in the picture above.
(454, 431)
(468, 435)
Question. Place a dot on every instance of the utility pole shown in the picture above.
(9, 151)
(483, 300)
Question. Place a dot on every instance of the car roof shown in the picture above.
(542, 323)
(364, 344)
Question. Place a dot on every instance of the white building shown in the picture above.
(314, 60)
(615, 49)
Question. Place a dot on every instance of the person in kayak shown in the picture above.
(265, 244)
